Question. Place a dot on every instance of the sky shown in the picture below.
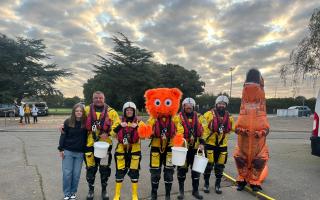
(207, 36)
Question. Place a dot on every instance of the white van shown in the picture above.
(315, 138)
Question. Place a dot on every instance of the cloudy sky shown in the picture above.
(208, 36)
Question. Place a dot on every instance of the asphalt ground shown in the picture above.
(30, 167)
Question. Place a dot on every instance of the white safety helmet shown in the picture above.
(223, 99)
(189, 100)
(129, 104)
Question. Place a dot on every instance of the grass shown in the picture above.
(67, 111)
(60, 111)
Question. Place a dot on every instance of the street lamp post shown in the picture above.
(231, 69)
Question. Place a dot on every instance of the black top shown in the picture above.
(73, 139)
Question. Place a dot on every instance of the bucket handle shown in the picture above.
(185, 143)
(203, 154)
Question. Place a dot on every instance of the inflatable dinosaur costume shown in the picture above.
(251, 153)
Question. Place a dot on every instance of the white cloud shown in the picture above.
(208, 36)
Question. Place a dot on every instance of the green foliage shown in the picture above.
(70, 102)
(54, 100)
(207, 102)
(23, 70)
(171, 75)
(60, 111)
(127, 72)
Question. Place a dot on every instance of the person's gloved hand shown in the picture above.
(104, 136)
(134, 125)
(201, 147)
(145, 131)
(124, 124)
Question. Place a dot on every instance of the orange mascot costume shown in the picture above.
(251, 153)
(165, 129)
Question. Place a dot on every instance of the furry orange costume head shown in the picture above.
(163, 101)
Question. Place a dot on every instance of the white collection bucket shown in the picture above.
(101, 149)
(199, 163)
(179, 155)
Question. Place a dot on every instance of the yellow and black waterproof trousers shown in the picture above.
(94, 163)
(159, 158)
(127, 158)
(217, 159)
(182, 171)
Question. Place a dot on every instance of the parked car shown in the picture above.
(315, 137)
(9, 110)
(303, 110)
(42, 108)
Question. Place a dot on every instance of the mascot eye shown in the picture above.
(168, 102)
(157, 102)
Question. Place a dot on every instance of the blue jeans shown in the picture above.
(71, 168)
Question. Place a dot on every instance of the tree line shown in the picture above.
(206, 101)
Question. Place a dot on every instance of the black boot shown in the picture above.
(195, 189)
(90, 195)
(168, 190)
(154, 190)
(217, 186)
(104, 193)
(255, 188)
(90, 176)
(181, 190)
(241, 185)
(206, 183)
(105, 172)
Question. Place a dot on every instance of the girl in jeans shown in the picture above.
(71, 146)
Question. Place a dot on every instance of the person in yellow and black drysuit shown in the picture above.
(194, 127)
(220, 123)
(164, 126)
(101, 120)
(128, 151)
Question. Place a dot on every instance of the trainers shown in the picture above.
(66, 197)
(73, 196)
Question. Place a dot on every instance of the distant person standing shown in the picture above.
(27, 112)
(34, 112)
(21, 113)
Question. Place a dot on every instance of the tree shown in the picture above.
(54, 100)
(123, 74)
(305, 59)
(127, 72)
(171, 75)
(23, 69)
(70, 102)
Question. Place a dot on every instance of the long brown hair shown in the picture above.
(72, 119)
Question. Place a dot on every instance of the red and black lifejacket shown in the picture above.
(219, 121)
(103, 124)
(166, 127)
(191, 129)
(128, 132)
